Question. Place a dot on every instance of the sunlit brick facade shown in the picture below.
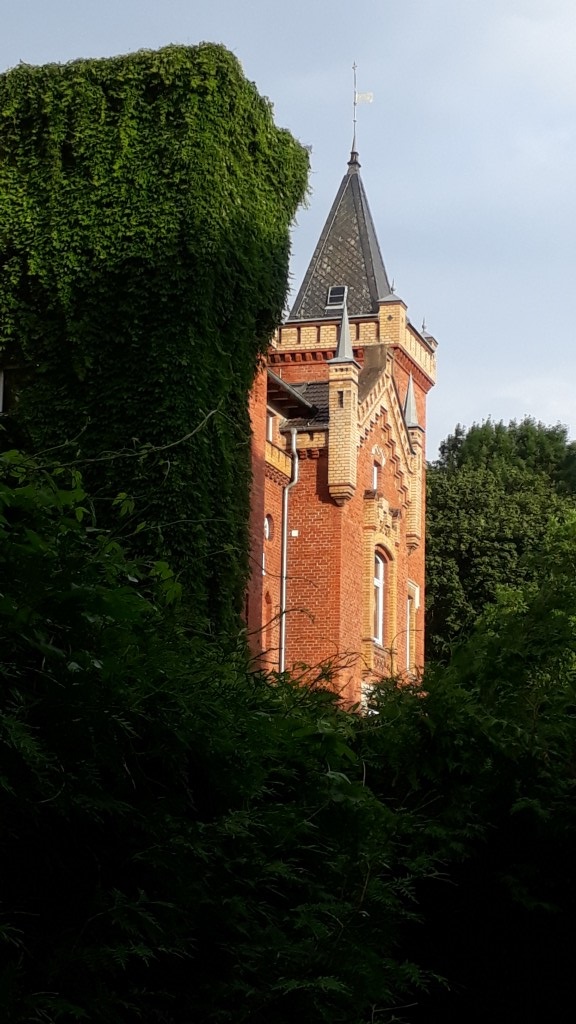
(345, 387)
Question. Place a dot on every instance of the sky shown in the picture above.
(468, 156)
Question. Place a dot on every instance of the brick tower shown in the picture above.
(339, 429)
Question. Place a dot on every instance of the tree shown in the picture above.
(181, 839)
(491, 496)
(487, 752)
(525, 445)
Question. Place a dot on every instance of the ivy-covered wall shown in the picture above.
(145, 204)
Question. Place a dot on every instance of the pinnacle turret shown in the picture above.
(410, 410)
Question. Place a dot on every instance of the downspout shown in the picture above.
(284, 553)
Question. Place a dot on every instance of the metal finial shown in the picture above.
(359, 97)
(423, 325)
(393, 286)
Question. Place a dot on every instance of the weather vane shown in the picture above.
(359, 97)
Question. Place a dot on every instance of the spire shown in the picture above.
(359, 97)
(353, 161)
(410, 411)
(347, 254)
(344, 351)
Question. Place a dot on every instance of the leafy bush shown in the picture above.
(487, 757)
(181, 839)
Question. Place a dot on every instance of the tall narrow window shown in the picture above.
(379, 578)
(270, 417)
(409, 632)
(268, 623)
(412, 605)
(375, 469)
(268, 534)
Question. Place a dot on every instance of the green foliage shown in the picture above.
(145, 203)
(184, 840)
(181, 839)
(488, 755)
(490, 499)
(526, 445)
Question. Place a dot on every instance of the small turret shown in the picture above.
(343, 372)
(416, 435)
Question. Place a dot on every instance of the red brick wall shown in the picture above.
(416, 559)
(395, 548)
(403, 365)
(271, 576)
(313, 591)
(326, 585)
(326, 589)
(352, 589)
(297, 373)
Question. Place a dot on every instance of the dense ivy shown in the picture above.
(145, 203)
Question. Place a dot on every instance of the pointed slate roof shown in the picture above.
(410, 410)
(347, 254)
(344, 350)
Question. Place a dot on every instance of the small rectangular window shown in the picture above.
(375, 469)
(340, 399)
(270, 417)
(336, 296)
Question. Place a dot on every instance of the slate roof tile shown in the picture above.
(347, 253)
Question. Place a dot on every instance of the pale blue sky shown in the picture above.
(468, 156)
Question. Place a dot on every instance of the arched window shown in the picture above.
(268, 535)
(379, 584)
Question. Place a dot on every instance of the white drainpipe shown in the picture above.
(284, 553)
